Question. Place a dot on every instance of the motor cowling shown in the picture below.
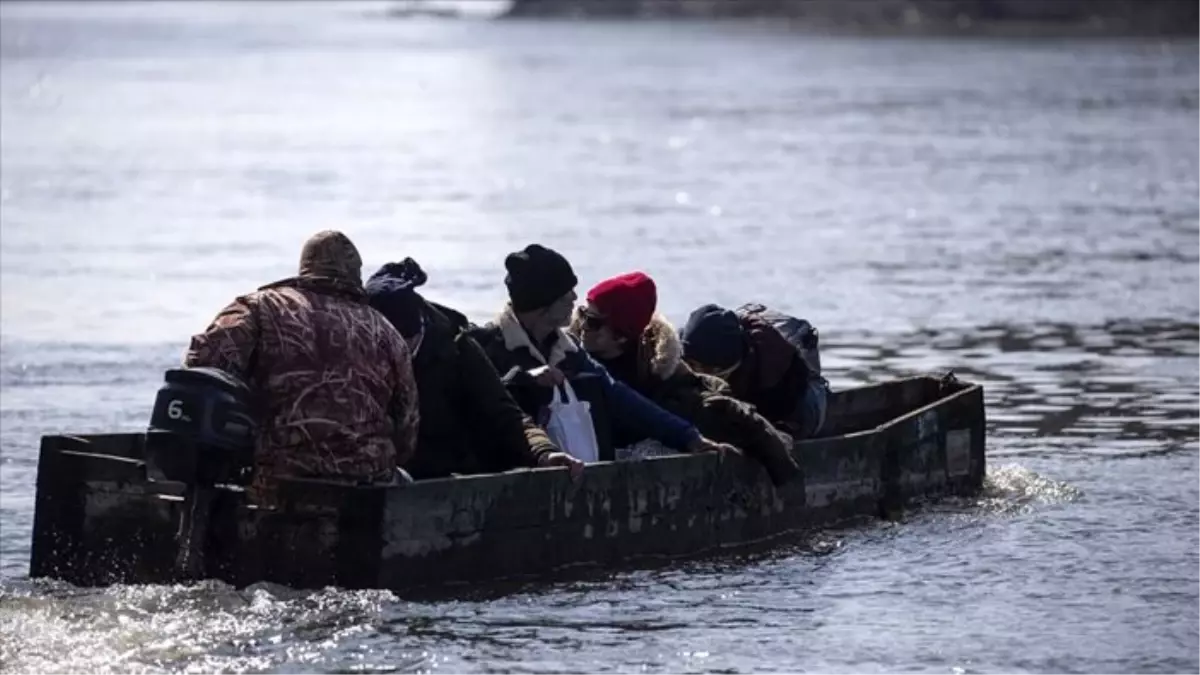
(202, 429)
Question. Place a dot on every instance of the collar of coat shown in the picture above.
(346, 288)
(660, 351)
(515, 337)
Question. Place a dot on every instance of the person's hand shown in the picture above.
(574, 466)
(547, 376)
(702, 444)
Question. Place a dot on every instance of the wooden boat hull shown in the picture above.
(100, 521)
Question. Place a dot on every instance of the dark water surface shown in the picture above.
(1023, 212)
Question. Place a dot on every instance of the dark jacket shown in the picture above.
(655, 368)
(798, 332)
(620, 415)
(334, 377)
(469, 422)
(773, 376)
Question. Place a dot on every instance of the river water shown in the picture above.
(1022, 212)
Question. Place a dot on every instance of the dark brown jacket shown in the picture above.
(773, 376)
(469, 422)
(333, 378)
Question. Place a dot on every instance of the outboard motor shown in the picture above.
(202, 434)
(202, 429)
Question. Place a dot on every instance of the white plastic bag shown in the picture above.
(570, 426)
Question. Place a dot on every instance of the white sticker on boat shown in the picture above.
(958, 452)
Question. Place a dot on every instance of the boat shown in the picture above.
(102, 517)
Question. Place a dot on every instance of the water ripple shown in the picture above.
(1022, 213)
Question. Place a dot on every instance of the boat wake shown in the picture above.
(1011, 488)
(203, 627)
(211, 626)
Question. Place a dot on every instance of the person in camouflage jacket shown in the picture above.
(333, 378)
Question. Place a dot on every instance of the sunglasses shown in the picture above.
(591, 321)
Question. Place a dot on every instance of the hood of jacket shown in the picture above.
(393, 291)
(329, 263)
(660, 351)
(772, 355)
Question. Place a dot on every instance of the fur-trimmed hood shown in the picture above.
(660, 351)
(660, 348)
(516, 338)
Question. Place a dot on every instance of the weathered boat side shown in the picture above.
(937, 449)
(97, 520)
(866, 408)
(533, 522)
(100, 521)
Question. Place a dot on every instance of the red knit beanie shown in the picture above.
(627, 301)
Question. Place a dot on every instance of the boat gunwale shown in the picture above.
(298, 483)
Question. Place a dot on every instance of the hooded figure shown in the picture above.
(469, 422)
(746, 349)
(333, 378)
(534, 355)
(621, 329)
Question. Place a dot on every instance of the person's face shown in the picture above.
(558, 314)
(598, 336)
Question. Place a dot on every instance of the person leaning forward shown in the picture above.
(621, 329)
(760, 365)
(527, 344)
(332, 377)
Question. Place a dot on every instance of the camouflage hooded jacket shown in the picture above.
(334, 379)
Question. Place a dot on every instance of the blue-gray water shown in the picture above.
(1023, 212)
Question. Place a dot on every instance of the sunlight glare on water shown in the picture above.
(1023, 212)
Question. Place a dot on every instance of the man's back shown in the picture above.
(334, 378)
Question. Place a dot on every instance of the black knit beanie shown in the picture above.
(713, 337)
(537, 276)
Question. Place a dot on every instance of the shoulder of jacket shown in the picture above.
(258, 296)
(456, 319)
(750, 309)
(483, 334)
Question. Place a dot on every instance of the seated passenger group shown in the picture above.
(354, 381)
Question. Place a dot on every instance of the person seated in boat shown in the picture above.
(538, 360)
(469, 422)
(621, 329)
(761, 366)
(332, 377)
